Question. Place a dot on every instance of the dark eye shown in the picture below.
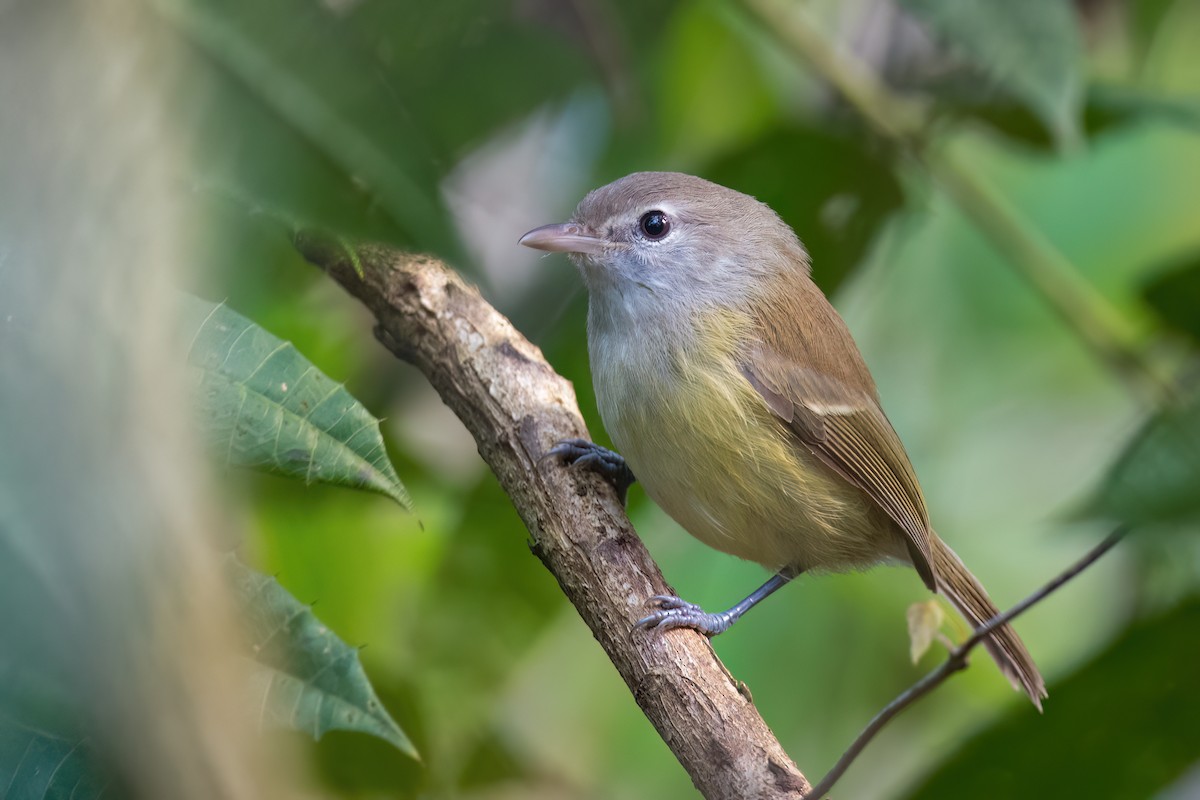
(654, 224)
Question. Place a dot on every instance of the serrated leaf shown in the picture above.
(264, 405)
(1156, 480)
(924, 621)
(36, 765)
(1030, 48)
(305, 677)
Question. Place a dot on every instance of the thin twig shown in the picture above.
(1101, 327)
(955, 661)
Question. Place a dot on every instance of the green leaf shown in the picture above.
(1157, 479)
(306, 678)
(266, 406)
(1030, 48)
(1124, 725)
(36, 765)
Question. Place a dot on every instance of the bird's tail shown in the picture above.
(961, 588)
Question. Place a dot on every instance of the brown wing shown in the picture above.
(846, 429)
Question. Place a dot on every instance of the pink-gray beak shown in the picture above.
(565, 237)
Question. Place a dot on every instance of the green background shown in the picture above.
(453, 128)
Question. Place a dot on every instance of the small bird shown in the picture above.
(738, 398)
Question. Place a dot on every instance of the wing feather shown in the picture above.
(848, 432)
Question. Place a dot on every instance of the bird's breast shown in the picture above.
(708, 450)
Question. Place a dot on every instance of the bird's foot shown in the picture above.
(674, 612)
(580, 453)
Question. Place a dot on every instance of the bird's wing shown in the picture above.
(847, 431)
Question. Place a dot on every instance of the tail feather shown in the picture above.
(962, 589)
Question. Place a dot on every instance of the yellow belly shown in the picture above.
(709, 451)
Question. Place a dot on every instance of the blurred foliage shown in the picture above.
(849, 190)
(1158, 701)
(699, 89)
(1154, 481)
(1028, 48)
(1174, 295)
(453, 128)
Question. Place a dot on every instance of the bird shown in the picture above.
(735, 394)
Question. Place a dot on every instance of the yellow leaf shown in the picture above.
(924, 621)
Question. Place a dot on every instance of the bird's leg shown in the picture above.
(589, 455)
(676, 613)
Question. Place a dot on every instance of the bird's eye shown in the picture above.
(654, 224)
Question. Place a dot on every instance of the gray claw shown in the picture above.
(570, 449)
(591, 460)
(589, 455)
(667, 601)
(675, 612)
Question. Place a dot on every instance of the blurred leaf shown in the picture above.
(1106, 109)
(1124, 725)
(36, 765)
(1170, 64)
(1157, 479)
(1145, 16)
(361, 766)
(266, 406)
(400, 92)
(924, 621)
(307, 678)
(829, 188)
(263, 45)
(1112, 105)
(718, 95)
(495, 762)
(1175, 297)
(488, 601)
(1030, 48)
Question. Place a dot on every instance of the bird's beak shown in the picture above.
(565, 237)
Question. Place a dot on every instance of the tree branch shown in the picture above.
(517, 407)
(956, 661)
